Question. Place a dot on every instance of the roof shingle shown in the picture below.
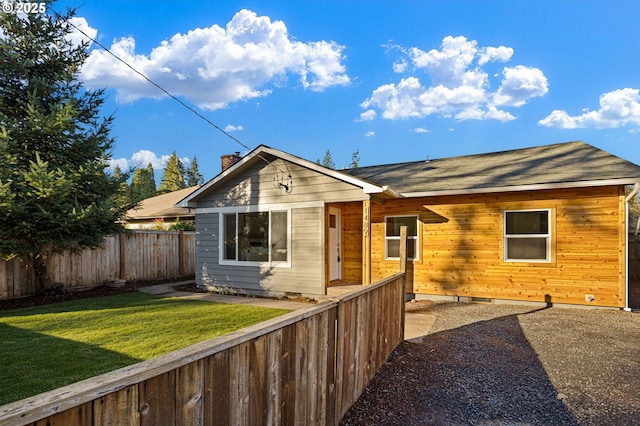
(571, 162)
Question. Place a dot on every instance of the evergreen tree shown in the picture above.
(54, 193)
(193, 174)
(327, 161)
(355, 159)
(143, 184)
(123, 198)
(173, 176)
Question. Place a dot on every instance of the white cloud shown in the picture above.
(369, 134)
(142, 158)
(400, 67)
(459, 87)
(231, 128)
(215, 66)
(79, 26)
(490, 54)
(420, 130)
(368, 115)
(519, 85)
(617, 108)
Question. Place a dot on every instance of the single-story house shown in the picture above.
(160, 212)
(546, 224)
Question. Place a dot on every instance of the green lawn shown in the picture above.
(49, 346)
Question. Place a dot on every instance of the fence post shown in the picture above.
(403, 270)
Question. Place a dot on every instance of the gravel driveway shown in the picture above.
(484, 364)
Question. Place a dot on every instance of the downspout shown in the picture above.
(636, 189)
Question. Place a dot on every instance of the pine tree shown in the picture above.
(143, 184)
(193, 174)
(355, 159)
(327, 161)
(123, 198)
(173, 176)
(54, 193)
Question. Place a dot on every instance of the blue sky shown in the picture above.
(396, 80)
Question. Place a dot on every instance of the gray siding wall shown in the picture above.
(305, 276)
(258, 185)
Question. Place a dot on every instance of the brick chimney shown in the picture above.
(229, 160)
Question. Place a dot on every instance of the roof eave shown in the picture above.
(367, 188)
(517, 188)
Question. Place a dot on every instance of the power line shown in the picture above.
(175, 98)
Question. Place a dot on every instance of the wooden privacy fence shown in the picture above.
(134, 255)
(306, 367)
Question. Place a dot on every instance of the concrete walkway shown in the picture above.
(167, 290)
(417, 325)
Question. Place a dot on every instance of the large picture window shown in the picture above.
(255, 237)
(392, 236)
(527, 236)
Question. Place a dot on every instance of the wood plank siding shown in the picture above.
(305, 276)
(351, 252)
(461, 246)
(257, 186)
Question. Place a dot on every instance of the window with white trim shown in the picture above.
(527, 235)
(392, 236)
(255, 237)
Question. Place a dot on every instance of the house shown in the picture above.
(160, 212)
(545, 225)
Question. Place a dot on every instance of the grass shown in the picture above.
(45, 347)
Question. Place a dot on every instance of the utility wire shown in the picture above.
(162, 88)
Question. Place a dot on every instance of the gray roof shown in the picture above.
(560, 165)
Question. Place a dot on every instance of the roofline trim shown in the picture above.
(367, 188)
(517, 188)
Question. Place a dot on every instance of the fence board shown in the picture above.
(217, 392)
(157, 400)
(135, 255)
(189, 394)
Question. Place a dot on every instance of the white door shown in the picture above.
(335, 267)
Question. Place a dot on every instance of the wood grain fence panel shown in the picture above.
(288, 368)
(217, 389)
(313, 362)
(157, 400)
(148, 255)
(325, 359)
(190, 394)
(117, 408)
(257, 380)
(332, 365)
(80, 415)
(301, 374)
(274, 382)
(239, 384)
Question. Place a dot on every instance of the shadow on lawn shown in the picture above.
(482, 373)
(116, 301)
(33, 363)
